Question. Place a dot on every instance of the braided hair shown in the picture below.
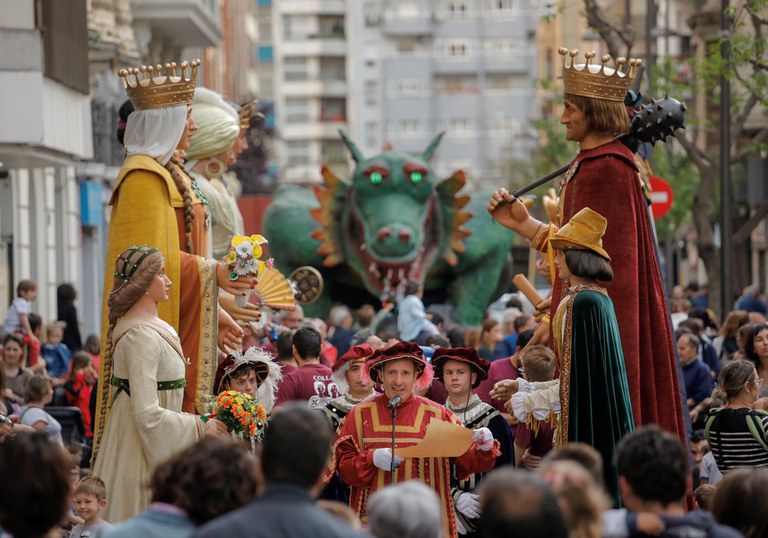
(173, 166)
(127, 288)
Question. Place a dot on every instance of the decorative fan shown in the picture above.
(274, 290)
(308, 283)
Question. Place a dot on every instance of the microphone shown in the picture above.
(394, 402)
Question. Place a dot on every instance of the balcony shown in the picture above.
(312, 7)
(53, 127)
(316, 88)
(315, 47)
(328, 129)
(186, 23)
(402, 26)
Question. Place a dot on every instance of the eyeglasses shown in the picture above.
(758, 382)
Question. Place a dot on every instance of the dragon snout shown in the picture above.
(394, 240)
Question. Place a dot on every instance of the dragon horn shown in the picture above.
(427, 155)
(353, 149)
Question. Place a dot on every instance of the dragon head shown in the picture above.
(392, 219)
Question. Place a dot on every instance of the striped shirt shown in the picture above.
(731, 442)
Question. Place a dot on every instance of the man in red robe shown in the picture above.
(363, 448)
(604, 177)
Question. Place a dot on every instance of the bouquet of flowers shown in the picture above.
(243, 259)
(243, 417)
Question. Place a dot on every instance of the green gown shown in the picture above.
(594, 394)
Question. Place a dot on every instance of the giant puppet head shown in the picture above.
(393, 219)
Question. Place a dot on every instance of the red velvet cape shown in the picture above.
(607, 182)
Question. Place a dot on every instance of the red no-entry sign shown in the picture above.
(661, 196)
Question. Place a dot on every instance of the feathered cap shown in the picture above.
(356, 354)
(400, 350)
(261, 360)
(462, 354)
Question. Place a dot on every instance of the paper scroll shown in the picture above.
(442, 440)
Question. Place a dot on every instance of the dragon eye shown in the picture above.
(376, 177)
(416, 177)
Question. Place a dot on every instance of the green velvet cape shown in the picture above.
(599, 408)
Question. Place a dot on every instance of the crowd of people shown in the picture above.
(195, 420)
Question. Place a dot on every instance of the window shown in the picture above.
(409, 126)
(265, 53)
(296, 110)
(265, 31)
(457, 8)
(298, 152)
(410, 87)
(458, 48)
(505, 5)
(295, 69)
(459, 126)
(300, 27)
(371, 134)
(371, 92)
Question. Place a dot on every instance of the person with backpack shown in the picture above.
(737, 431)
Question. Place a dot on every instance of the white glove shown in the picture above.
(460, 527)
(382, 458)
(483, 438)
(467, 504)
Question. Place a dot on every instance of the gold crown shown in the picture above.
(598, 82)
(248, 111)
(160, 86)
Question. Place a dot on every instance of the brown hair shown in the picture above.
(472, 337)
(37, 474)
(583, 454)
(225, 467)
(741, 501)
(92, 485)
(174, 166)
(583, 501)
(122, 297)
(25, 285)
(488, 326)
(733, 377)
(538, 362)
(704, 495)
(733, 321)
(601, 116)
(15, 337)
(36, 388)
(80, 360)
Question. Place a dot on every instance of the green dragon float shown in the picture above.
(393, 220)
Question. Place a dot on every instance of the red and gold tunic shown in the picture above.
(368, 426)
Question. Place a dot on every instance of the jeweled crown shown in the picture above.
(598, 81)
(160, 86)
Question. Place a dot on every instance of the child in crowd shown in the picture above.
(79, 386)
(17, 319)
(56, 354)
(90, 499)
(93, 346)
(534, 442)
(32, 345)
